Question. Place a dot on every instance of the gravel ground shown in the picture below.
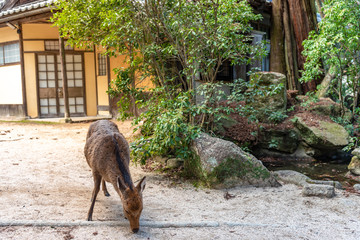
(46, 186)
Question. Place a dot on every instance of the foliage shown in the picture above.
(337, 45)
(166, 129)
(251, 92)
(173, 44)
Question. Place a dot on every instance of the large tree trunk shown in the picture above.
(277, 54)
(303, 18)
(296, 18)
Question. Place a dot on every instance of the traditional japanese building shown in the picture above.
(31, 66)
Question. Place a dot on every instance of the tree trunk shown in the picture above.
(303, 18)
(292, 21)
(292, 72)
(277, 54)
(325, 84)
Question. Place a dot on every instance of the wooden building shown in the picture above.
(31, 76)
(32, 64)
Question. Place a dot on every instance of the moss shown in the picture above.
(239, 169)
(193, 169)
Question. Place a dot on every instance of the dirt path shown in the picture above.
(46, 182)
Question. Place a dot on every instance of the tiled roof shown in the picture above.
(26, 7)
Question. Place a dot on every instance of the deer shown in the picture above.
(108, 155)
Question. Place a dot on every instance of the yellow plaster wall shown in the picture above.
(91, 108)
(7, 35)
(118, 61)
(34, 46)
(103, 99)
(30, 77)
(40, 31)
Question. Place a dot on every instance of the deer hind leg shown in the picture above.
(103, 185)
(97, 181)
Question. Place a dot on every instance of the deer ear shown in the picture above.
(120, 185)
(141, 185)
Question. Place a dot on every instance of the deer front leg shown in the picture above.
(97, 181)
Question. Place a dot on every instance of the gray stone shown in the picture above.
(354, 166)
(356, 152)
(335, 184)
(293, 177)
(326, 136)
(174, 163)
(318, 190)
(357, 187)
(227, 165)
(267, 103)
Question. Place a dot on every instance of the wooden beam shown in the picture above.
(109, 79)
(22, 65)
(96, 80)
(64, 79)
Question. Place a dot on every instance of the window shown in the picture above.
(53, 45)
(9, 53)
(225, 72)
(102, 64)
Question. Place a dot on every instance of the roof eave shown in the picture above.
(18, 16)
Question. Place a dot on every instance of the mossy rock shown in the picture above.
(282, 140)
(265, 104)
(327, 135)
(224, 164)
(354, 166)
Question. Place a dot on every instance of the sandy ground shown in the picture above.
(45, 181)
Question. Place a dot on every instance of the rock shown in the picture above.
(328, 136)
(282, 140)
(293, 177)
(160, 159)
(335, 184)
(356, 152)
(225, 164)
(300, 153)
(351, 176)
(265, 104)
(318, 190)
(299, 179)
(327, 107)
(357, 187)
(174, 163)
(225, 123)
(354, 166)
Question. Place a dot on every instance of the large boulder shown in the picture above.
(224, 164)
(282, 140)
(267, 103)
(324, 136)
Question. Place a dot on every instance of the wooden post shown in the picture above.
(22, 64)
(109, 79)
(64, 79)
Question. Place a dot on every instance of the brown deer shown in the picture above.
(108, 155)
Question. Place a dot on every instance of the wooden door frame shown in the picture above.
(56, 83)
